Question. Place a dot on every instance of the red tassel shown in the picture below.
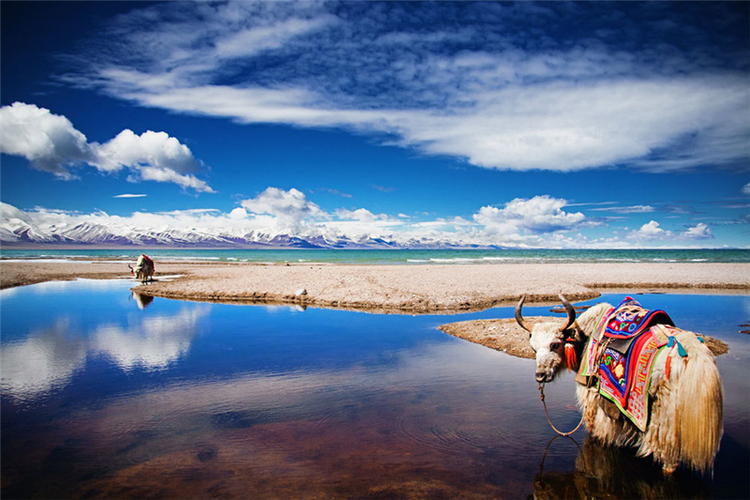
(571, 360)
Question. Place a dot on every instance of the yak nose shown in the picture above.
(540, 376)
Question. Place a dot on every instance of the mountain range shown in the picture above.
(17, 232)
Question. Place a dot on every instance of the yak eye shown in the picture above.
(554, 346)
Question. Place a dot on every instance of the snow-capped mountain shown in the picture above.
(15, 231)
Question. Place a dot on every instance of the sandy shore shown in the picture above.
(505, 335)
(409, 289)
(396, 288)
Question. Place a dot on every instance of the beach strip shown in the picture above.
(410, 289)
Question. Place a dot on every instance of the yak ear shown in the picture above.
(577, 337)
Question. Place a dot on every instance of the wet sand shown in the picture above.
(409, 289)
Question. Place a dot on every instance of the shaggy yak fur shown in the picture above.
(686, 396)
(144, 269)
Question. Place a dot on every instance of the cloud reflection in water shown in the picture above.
(48, 357)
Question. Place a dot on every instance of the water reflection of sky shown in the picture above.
(101, 391)
(49, 333)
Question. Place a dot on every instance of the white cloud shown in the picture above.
(650, 231)
(288, 212)
(698, 232)
(156, 149)
(746, 189)
(540, 221)
(538, 215)
(572, 126)
(9, 212)
(51, 143)
(165, 174)
(129, 195)
(290, 208)
(360, 214)
(556, 126)
(522, 102)
(250, 41)
(238, 214)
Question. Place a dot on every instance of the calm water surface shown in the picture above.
(390, 256)
(106, 396)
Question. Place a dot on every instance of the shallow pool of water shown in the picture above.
(106, 395)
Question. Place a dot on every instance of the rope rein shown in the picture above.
(541, 395)
(599, 354)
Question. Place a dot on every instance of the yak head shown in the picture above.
(555, 344)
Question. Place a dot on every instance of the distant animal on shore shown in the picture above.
(144, 269)
(641, 382)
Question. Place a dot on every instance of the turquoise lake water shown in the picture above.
(393, 256)
(108, 395)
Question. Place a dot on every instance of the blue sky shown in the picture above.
(594, 124)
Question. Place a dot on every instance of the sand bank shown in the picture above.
(407, 289)
(505, 335)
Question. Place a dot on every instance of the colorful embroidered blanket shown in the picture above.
(631, 341)
(630, 319)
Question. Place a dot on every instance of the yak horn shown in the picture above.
(568, 307)
(519, 316)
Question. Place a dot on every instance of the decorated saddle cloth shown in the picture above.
(144, 261)
(621, 354)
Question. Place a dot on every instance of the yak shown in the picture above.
(679, 420)
(144, 269)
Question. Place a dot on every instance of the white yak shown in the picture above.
(144, 269)
(684, 395)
